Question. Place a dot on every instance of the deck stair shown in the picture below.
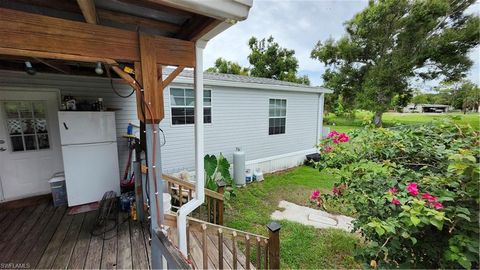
(212, 246)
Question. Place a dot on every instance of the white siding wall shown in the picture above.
(240, 118)
(83, 87)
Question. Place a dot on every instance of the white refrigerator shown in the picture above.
(90, 156)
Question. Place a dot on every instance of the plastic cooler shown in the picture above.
(59, 189)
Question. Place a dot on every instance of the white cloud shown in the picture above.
(295, 25)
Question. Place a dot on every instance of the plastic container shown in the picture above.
(59, 189)
(167, 203)
(258, 175)
(239, 167)
(248, 176)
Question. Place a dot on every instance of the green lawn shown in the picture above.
(344, 124)
(301, 246)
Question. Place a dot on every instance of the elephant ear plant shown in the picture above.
(216, 170)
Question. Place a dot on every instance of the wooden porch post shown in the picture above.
(220, 207)
(274, 245)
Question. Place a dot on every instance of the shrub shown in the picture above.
(414, 193)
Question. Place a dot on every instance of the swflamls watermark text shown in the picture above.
(15, 266)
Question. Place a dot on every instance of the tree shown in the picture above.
(269, 60)
(224, 66)
(469, 94)
(393, 41)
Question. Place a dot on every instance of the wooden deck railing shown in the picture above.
(183, 191)
(267, 249)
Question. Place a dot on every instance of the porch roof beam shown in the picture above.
(88, 10)
(42, 34)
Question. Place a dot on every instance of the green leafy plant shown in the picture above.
(414, 193)
(218, 170)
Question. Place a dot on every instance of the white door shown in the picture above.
(30, 151)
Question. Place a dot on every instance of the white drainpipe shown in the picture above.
(199, 197)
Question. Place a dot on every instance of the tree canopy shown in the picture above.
(229, 67)
(269, 60)
(390, 43)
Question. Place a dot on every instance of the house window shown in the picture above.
(277, 116)
(27, 125)
(183, 106)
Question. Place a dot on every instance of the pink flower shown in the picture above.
(429, 198)
(328, 148)
(392, 190)
(332, 134)
(412, 188)
(335, 191)
(343, 137)
(336, 141)
(395, 201)
(315, 194)
(438, 205)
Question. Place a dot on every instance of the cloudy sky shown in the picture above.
(298, 25)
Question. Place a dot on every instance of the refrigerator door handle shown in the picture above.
(87, 144)
(65, 125)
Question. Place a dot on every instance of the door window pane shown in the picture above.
(30, 142)
(43, 142)
(27, 125)
(41, 125)
(39, 109)
(14, 126)
(17, 143)
(11, 109)
(25, 109)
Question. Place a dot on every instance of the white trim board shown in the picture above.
(302, 152)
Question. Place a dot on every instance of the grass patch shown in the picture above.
(301, 246)
(344, 124)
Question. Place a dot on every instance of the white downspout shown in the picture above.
(199, 197)
(321, 103)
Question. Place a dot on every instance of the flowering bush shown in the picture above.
(333, 138)
(413, 191)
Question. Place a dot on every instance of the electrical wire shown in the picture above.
(117, 93)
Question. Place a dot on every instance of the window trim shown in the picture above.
(276, 117)
(174, 106)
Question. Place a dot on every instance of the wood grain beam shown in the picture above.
(135, 20)
(56, 66)
(49, 55)
(102, 14)
(39, 34)
(152, 88)
(88, 10)
(140, 106)
(170, 76)
(197, 27)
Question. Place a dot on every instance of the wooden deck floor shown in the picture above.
(44, 236)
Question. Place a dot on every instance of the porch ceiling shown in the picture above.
(99, 29)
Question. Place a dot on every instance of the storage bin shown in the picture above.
(59, 189)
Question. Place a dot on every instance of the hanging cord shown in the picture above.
(115, 90)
